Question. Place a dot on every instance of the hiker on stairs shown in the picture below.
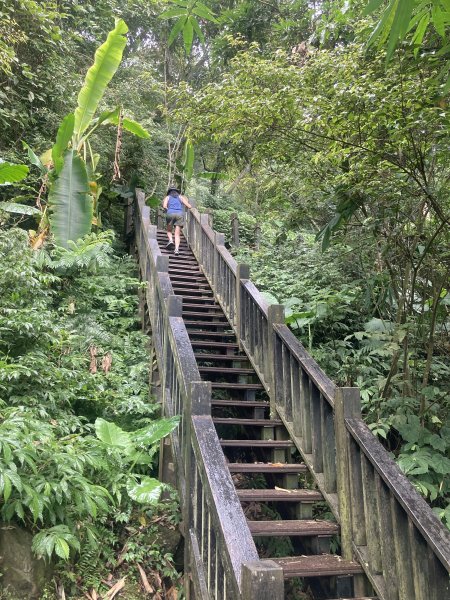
(173, 205)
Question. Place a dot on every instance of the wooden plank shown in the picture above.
(279, 495)
(226, 370)
(256, 443)
(266, 468)
(324, 565)
(241, 403)
(297, 528)
(245, 422)
(210, 357)
(236, 386)
(371, 512)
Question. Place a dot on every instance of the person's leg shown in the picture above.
(169, 234)
(177, 237)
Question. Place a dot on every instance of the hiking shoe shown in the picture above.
(177, 252)
(170, 246)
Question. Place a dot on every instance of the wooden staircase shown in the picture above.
(262, 459)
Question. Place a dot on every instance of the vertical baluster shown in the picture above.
(297, 412)
(294, 385)
(242, 273)
(388, 557)
(317, 429)
(347, 404)
(438, 576)
(371, 511)
(286, 383)
(305, 404)
(328, 446)
(275, 316)
(418, 550)
(400, 528)
(278, 351)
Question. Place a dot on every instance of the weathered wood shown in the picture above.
(300, 528)
(437, 536)
(313, 566)
(275, 315)
(328, 445)
(262, 580)
(242, 273)
(347, 403)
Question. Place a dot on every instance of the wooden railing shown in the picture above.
(221, 560)
(402, 546)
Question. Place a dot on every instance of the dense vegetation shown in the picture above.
(78, 429)
(323, 124)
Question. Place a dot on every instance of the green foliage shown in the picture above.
(78, 435)
(187, 24)
(70, 202)
(10, 173)
(106, 62)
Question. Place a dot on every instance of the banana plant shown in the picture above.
(74, 189)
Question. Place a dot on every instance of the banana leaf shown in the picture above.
(107, 60)
(70, 202)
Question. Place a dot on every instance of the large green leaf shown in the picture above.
(19, 209)
(147, 491)
(128, 125)
(70, 202)
(176, 29)
(155, 431)
(63, 138)
(10, 173)
(107, 60)
(112, 435)
(189, 156)
(188, 36)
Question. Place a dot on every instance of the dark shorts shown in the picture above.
(176, 219)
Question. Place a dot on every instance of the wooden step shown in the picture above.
(181, 291)
(202, 344)
(220, 324)
(218, 385)
(297, 528)
(207, 300)
(240, 403)
(278, 495)
(210, 310)
(189, 270)
(194, 313)
(247, 422)
(227, 370)
(187, 278)
(256, 443)
(321, 565)
(211, 357)
(275, 468)
(197, 286)
(200, 332)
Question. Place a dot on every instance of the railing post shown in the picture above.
(204, 220)
(162, 263)
(347, 404)
(262, 580)
(174, 309)
(242, 272)
(219, 240)
(198, 404)
(275, 316)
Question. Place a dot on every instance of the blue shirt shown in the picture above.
(174, 205)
